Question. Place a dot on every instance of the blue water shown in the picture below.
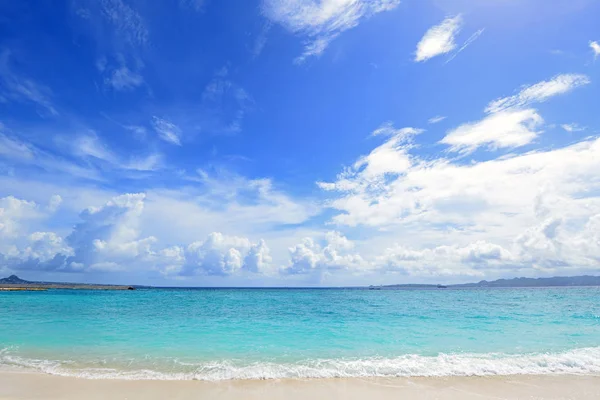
(279, 333)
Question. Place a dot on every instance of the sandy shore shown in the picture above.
(15, 385)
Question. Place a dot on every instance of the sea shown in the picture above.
(229, 334)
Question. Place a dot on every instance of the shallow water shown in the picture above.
(275, 333)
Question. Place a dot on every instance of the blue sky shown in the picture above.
(299, 142)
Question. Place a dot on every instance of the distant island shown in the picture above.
(557, 281)
(13, 283)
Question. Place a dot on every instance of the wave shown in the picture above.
(584, 361)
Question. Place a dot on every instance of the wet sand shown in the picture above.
(21, 385)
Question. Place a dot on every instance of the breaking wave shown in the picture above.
(584, 361)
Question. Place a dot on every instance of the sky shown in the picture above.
(299, 142)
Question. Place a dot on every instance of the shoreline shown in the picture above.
(32, 385)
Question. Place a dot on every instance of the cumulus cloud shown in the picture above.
(595, 46)
(533, 210)
(439, 39)
(504, 129)
(167, 130)
(109, 239)
(54, 203)
(447, 260)
(217, 255)
(258, 259)
(540, 92)
(13, 211)
(322, 21)
(334, 253)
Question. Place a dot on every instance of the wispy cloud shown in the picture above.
(505, 129)
(225, 104)
(511, 123)
(539, 92)
(22, 89)
(127, 21)
(167, 130)
(123, 78)
(321, 22)
(468, 42)
(572, 128)
(439, 39)
(261, 39)
(436, 119)
(120, 32)
(21, 153)
(90, 146)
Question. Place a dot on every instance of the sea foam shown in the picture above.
(584, 361)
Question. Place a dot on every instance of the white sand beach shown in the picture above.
(33, 386)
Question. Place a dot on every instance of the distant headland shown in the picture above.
(557, 281)
(13, 283)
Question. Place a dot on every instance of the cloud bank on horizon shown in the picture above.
(298, 142)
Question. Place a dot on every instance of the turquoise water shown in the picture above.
(277, 333)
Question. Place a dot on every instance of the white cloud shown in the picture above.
(322, 21)
(572, 128)
(436, 119)
(91, 147)
(12, 212)
(595, 46)
(217, 255)
(439, 39)
(506, 129)
(54, 203)
(258, 259)
(44, 247)
(539, 92)
(110, 233)
(310, 257)
(470, 260)
(526, 213)
(509, 124)
(167, 131)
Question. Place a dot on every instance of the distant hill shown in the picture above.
(14, 280)
(557, 281)
(585, 280)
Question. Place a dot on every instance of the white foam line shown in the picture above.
(584, 361)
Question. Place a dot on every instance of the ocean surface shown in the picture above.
(217, 334)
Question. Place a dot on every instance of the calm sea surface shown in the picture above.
(218, 334)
